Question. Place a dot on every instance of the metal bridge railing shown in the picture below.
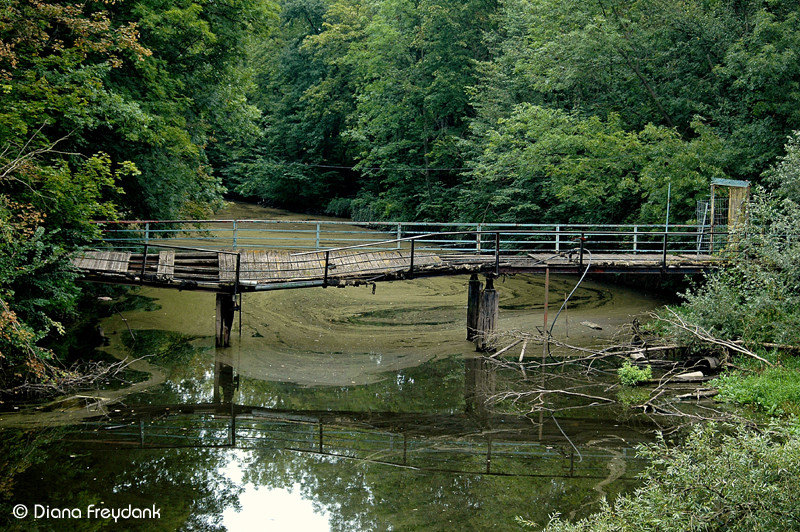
(452, 237)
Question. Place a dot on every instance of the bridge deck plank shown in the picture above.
(227, 267)
(165, 271)
(217, 270)
(103, 261)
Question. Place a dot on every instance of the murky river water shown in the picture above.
(335, 409)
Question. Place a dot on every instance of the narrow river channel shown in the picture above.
(335, 409)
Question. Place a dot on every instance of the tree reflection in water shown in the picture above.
(398, 456)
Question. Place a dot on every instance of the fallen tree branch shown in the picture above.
(705, 336)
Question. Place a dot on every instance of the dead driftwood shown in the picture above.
(559, 383)
(705, 336)
(698, 394)
(59, 381)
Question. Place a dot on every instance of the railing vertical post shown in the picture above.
(497, 253)
(558, 238)
(232, 428)
(236, 290)
(238, 270)
(144, 261)
(478, 240)
(399, 234)
(146, 233)
(316, 244)
(411, 267)
(583, 235)
(635, 238)
(664, 256)
(325, 275)
(235, 235)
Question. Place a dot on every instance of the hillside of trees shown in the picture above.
(479, 110)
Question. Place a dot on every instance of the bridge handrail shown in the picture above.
(474, 238)
(239, 236)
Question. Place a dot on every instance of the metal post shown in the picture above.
(411, 268)
(669, 193)
(478, 240)
(236, 290)
(325, 276)
(558, 238)
(399, 234)
(238, 274)
(232, 438)
(234, 235)
(581, 257)
(146, 249)
(144, 262)
(713, 222)
(497, 253)
(635, 238)
(664, 257)
(316, 245)
(320, 438)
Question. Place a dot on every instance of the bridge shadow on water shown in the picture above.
(477, 440)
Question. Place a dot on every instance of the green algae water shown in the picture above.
(334, 409)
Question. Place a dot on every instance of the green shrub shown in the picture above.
(631, 375)
(775, 391)
(738, 480)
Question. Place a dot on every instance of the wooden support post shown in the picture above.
(487, 320)
(473, 306)
(226, 305)
(546, 305)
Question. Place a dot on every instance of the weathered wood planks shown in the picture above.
(166, 265)
(272, 269)
(103, 261)
(227, 267)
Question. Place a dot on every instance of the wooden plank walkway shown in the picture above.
(270, 269)
(216, 271)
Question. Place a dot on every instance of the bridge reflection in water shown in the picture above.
(475, 441)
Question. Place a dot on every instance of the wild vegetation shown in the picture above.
(724, 477)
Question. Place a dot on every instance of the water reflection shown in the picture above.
(396, 462)
(225, 384)
(473, 439)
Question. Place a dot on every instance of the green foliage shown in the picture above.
(36, 286)
(757, 297)
(630, 375)
(744, 480)
(775, 391)
(545, 165)
(82, 139)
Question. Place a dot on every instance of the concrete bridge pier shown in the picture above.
(226, 307)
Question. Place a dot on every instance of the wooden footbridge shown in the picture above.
(234, 256)
(256, 255)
